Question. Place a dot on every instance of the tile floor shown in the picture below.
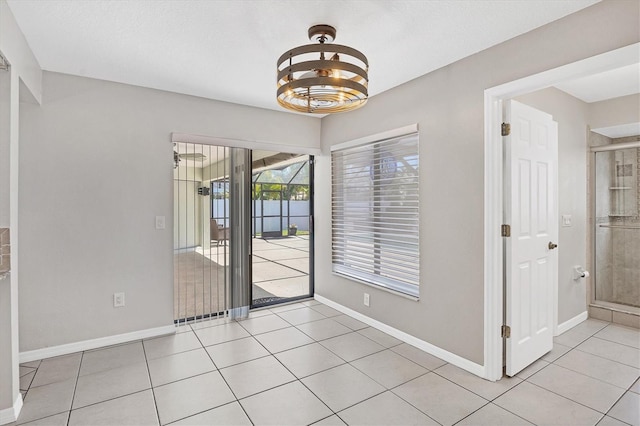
(306, 363)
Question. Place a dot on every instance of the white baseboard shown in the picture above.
(568, 325)
(9, 415)
(451, 358)
(95, 343)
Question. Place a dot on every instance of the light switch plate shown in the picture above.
(566, 220)
(118, 300)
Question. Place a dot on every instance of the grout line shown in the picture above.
(469, 390)
(587, 375)
(224, 379)
(613, 341)
(473, 412)
(75, 388)
(500, 407)
(326, 338)
(410, 404)
(566, 397)
(599, 356)
(208, 409)
(614, 404)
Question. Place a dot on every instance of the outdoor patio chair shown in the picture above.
(219, 234)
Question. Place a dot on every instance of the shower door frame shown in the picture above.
(617, 307)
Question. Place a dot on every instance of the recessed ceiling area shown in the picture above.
(621, 131)
(606, 85)
(227, 49)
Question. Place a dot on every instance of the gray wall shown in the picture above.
(96, 168)
(614, 112)
(448, 106)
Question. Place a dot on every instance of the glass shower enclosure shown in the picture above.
(617, 226)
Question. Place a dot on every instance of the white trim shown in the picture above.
(493, 245)
(394, 133)
(493, 276)
(241, 143)
(451, 358)
(9, 415)
(85, 345)
(568, 325)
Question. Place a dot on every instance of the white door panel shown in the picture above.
(531, 209)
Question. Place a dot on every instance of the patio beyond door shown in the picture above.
(242, 230)
(282, 227)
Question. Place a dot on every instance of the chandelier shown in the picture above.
(309, 82)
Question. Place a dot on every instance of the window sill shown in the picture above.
(377, 287)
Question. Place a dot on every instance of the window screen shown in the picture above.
(375, 201)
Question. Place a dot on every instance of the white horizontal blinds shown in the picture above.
(375, 203)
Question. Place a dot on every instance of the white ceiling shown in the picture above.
(606, 85)
(621, 131)
(227, 49)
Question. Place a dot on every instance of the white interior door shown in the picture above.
(531, 158)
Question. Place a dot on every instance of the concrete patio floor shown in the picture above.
(280, 270)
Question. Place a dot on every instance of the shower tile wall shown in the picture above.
(617, 249)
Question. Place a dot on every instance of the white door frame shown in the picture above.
(493, 174)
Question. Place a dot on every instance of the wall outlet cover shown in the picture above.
(566, 220)
(160, 222)
(366, 299)
(118, 300)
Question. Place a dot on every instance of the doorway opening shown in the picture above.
(274, 243)
(282, 216)
(494, 193)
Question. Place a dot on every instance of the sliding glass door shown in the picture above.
(242, 230)
(202, 196)
(282, 244)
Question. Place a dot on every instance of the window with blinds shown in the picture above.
(375, 202)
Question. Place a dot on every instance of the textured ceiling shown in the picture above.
(227, 50)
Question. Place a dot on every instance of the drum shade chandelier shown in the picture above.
(309, 82)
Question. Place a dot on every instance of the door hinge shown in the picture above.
(505, 129)
(505, 230)
(505, 332)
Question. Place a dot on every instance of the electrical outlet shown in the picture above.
(366, 299)
(160, 222)
(566, 220)
(118, 300)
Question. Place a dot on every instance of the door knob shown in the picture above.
(552, 246)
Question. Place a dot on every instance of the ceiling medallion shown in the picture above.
(322, 86)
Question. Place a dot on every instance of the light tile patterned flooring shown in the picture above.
(306, 363)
